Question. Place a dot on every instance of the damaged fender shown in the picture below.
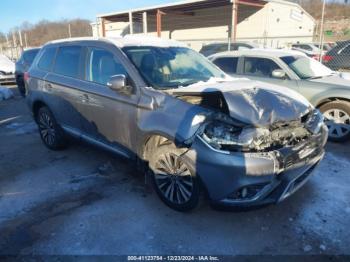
(170, 117)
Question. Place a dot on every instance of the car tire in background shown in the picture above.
(174, 179)
(337, 118)
(21, 86)
(51, 133)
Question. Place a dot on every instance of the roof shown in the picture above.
(128, 40)
(260, 52)
(189, 5)
(161, 6)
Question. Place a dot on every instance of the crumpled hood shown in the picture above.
(255, 103)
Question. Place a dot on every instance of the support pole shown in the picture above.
(20, 38)
(131, 24)
(144, 22)
(159, 22)
(321, 30)
(234, 21)
(69, 31)
(25, 40)
(103, 26)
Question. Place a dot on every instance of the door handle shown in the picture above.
(84, 98)
(48, 86)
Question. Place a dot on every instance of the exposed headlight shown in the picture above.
(224, 136)
(314, 122)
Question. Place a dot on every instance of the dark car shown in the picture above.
(338, 58)
(22, 66)
(186, 122)
(214, 48)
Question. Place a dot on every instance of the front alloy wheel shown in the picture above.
(174, 180)
(337, 119)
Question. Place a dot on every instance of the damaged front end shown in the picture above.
(250, 166)
(256, 146)
(235, 137)
(252, 119)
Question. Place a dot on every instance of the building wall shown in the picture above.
(275, 25)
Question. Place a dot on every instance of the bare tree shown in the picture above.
(44, 31)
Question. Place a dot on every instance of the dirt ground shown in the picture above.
(86, 201)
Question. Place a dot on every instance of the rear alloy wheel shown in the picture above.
(337, 119)
(50, 132)
(174, 180)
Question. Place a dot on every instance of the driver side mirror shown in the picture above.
(279, 74)
(118, 83)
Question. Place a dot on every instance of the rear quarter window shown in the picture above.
(47, 58)
(29, 56)
(67, 61)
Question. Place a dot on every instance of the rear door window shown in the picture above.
(47, 58)
(260, 67)
(306, 47)
(102, 66)
(222, 48)
(68, 61)
(227, 64)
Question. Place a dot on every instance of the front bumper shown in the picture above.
(251, 179)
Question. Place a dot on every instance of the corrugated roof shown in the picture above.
(189, 5)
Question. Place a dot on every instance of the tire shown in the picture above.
(174, 179)
(337, 119)
(21, 87)
(51, 133)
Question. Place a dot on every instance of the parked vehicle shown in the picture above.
(325, 46)
(325, 89)
(22, 66)
(214, 48)
(7, 70)
(308, 49)
(338, 58)
(164, 105)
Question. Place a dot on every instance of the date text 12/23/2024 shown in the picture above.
(173, 258)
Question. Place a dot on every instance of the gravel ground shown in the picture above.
(86, 201)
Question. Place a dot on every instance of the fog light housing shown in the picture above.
(247, 193)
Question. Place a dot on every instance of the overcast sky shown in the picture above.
(15, 12)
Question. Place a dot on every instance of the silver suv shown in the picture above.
(167, 107)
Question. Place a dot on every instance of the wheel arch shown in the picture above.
(36, 106)
(331, 99)
(152, 141)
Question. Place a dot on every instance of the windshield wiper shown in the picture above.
(318, 77)
(314, 77)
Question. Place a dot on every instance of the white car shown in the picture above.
(309, 49)
(325, 89)
(7, 70)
